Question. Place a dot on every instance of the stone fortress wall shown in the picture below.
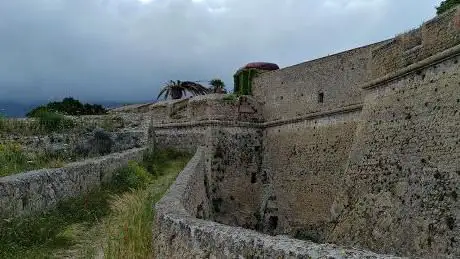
(359, 149)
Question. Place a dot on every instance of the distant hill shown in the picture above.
(19, 109)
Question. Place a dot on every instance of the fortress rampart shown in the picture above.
(359, 149)
(354, 155)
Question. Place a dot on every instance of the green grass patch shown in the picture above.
(230, 97)
(53, 122)
(114, 220)
(13, 159)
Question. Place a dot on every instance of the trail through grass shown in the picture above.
(114, 221)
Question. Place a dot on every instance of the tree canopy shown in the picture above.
(217, 86)
(69, 106)
(446, 6)
(177, 89)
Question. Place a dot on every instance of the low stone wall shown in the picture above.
(38, 190)
(181, 230)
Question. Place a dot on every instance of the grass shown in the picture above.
(230, 97)
(49, 122)
(114, 221)
(14, 159)
(43, 123)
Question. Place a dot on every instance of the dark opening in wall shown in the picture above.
(320, 97)
(272, 223)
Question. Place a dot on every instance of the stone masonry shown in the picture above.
(360, 149)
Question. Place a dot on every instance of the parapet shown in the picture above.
(210, 107)
(434, 36)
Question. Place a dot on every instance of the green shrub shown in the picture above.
(230, 97)
(69, 106)
(134, 176)
(51, 121)
(154, 162)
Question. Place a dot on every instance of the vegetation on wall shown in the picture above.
(69, 106)
(446, 6)
(243, 81)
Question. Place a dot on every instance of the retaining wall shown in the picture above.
(34, 191)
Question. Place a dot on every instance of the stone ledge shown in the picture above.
(315, 115)
(311, 116)
(208, 123)
(178, 234)
(433, 60)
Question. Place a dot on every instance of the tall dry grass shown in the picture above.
(128, 230)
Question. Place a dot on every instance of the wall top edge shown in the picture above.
(40, 172)
(430, 61)
(371, 47)
(311, 116)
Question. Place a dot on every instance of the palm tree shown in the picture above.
(177, 89)
(217, 86)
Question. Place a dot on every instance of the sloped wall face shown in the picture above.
(303, 169)
(318, 85)
(403, 180)
(233, 177)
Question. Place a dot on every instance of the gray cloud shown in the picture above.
(126, 49)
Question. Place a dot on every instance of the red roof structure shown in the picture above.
(260, 65)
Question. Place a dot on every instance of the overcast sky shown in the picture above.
(126, 49)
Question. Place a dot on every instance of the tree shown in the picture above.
(217, 86)
(446, 6)
(69, 106)
(177, 89)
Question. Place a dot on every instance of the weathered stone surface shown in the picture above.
(38, 190)
(374, 163)
(304, 164)
(179, 234)
(403, 176)
(81, 143)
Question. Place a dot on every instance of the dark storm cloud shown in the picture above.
(126, 49)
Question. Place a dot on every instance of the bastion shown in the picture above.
(354, 155)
